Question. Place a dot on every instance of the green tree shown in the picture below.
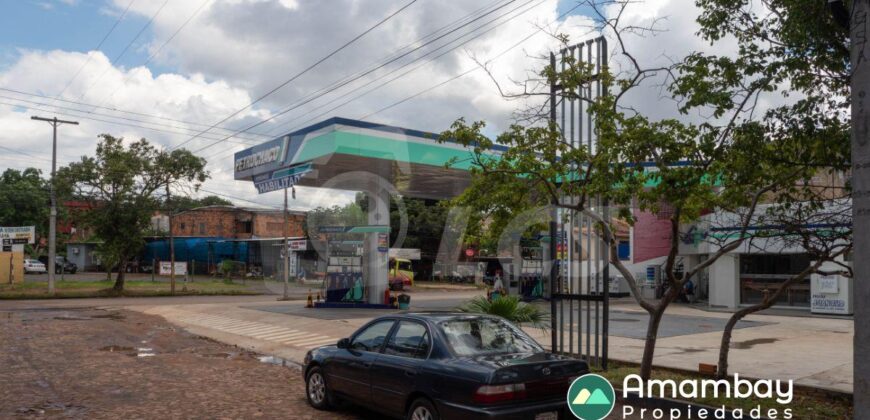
(179, 203)
(739, 158)
(123, 184)
(794, 47)
(24, 200)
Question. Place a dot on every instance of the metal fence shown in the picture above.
(580, 279)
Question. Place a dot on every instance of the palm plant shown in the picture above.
(509, 308)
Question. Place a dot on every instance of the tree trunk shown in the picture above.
(649, 348)
(725, 345)
(119, 279)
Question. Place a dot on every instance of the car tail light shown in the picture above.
(488, 394)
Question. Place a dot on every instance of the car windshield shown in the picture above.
(480, 336)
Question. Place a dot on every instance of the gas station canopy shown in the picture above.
(414, 162)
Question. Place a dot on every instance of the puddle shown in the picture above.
(114, 316)
(116, 349)
(71, 318)
(145, 352)
(218, 355)
(272, 360)
(686, 350)
(748, 344)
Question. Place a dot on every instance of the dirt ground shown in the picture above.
(88, 363)
(108, 364)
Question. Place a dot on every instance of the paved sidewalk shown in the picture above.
(814, 352)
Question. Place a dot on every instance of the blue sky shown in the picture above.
(71, 26)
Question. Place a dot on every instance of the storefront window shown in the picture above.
(763, 274)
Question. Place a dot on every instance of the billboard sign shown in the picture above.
(166, 268)
(27, 233)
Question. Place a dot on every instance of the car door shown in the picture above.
(398, 370)
(349, 370)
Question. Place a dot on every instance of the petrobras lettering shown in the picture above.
(260, 158)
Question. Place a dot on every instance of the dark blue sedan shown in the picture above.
(425, 366)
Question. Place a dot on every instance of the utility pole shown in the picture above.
(171, 243)
(52, 220)
(860, 60)
(286, 250)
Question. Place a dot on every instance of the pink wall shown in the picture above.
(652, 237)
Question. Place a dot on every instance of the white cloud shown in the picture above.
(237, 50)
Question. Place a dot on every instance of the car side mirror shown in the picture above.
(343, 343)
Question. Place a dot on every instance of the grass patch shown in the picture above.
(808, 403)
(83, 289)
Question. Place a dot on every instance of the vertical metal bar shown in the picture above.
(569, 237)
(552, 222)
(589, 220)
(605, 324)
(561, 302)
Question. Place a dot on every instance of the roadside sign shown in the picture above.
(7, 248)
(405, 253)
(281, 178)
(16, 241)
(383, 244)
(166, 268)
(298, 244)
(28, 233)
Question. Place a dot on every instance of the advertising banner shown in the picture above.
(166, 268)
(27, 233)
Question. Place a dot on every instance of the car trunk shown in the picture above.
(545, 375)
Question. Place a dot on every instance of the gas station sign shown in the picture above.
(280, 179)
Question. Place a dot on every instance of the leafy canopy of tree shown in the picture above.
(178, 203)
(24, 200)
(675, 167)
(122, 183)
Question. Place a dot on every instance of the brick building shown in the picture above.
(236, 223)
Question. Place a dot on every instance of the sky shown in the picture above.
(166, 70)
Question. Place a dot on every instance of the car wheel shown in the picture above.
(422, 409)
(317, 391)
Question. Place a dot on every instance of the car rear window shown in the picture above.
(479, 336)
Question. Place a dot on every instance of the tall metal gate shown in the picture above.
(580, 279)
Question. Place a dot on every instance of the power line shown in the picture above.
(99, 45)
(160, 117)
(417, 67)
(88, 117)
(391, 58)
(286, 110)
(87, 113)
(124, 51)
(160, 48)
(297, 75)
(472, 69)
(219, 154)
(238, 198)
